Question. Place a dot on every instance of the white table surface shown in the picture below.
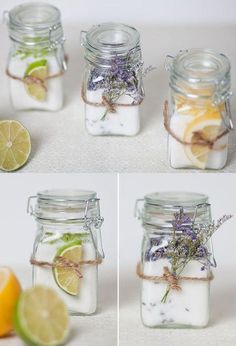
(99, 329)
(220, 332)
(59, 140)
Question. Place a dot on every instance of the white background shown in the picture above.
(150, 11)
(221, 189)
(60, 142)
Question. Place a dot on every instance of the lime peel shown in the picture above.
(67, 278)
(41, 317)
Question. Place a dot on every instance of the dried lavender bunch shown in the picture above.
(188, 242)
(121, 78)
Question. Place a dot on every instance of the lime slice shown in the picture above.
(41, 317)
(35, 79)
(67, 279)
(15, 145)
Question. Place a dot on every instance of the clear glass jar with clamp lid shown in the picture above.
(112, 88)
(66, 251)
(37, 60)
(198, 119)
(175, 259)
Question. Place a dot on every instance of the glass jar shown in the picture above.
(36, 60)
(200, 118)
(112, 87)
(187, 306)
(66, 248)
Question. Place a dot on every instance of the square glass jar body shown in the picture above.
(23, 61)
(200, 118)
(187, 308)
(122, 120)
(51, 240)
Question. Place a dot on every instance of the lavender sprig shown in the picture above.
(121, 78)
(188, 242)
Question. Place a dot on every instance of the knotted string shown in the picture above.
(35, 80)
(199, 140)
(171, 279)
(110, 106)
(62, 262)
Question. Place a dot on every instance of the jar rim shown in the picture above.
(66, 195)
(199, 65)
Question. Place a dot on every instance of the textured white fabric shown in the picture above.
(221, 330)
(60, 142)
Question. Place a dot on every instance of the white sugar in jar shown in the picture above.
(198, 118)
(112, 88)
(188, 307)
(36, 60)
(68, 233)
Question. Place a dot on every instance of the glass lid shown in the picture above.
(112, 37)
(159, 208)
(201, 65)
(35, 15)
(173, 199)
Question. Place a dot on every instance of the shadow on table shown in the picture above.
(223, 301)
(107, 294)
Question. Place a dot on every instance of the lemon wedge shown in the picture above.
(208, 126)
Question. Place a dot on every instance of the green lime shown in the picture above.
(67, 278)
(36, 72)
(41, 317)
(15, 145)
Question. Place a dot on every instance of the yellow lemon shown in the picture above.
(9, 292)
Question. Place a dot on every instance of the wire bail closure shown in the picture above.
(89, 221)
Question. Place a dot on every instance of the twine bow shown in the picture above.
(34, 80)
(110, 106)
(170, 278)
(62, 262)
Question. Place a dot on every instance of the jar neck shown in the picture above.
(130, 60)
(159, 219)
(216, 94)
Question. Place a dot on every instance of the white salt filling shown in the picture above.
(86, 300)
(20, 98)
(176, 151)
(188, 307)
(125, 121)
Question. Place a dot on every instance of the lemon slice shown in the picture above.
(15, 145)
(208, 126)
(67, 279)
(9, 292)
(35, 80)
(41, 317)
